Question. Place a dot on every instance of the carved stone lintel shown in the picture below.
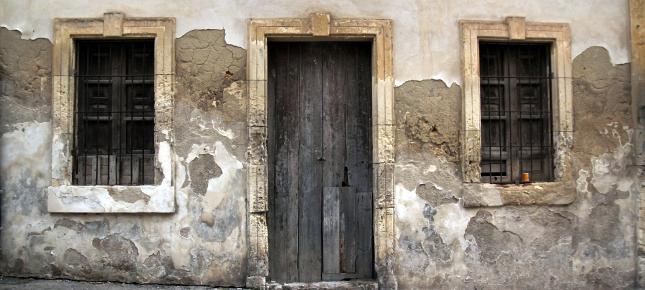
(113, 24)
(320, 23)
(516, 27)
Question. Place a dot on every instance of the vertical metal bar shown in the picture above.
(485, 50)
(128, 130)
(543, 113)
(488, 114)
(109, 118)
(482, 97)
(518, 108)
(509, 109)
(120, 117)
(141, 142)
(119, 120)
(550, 119)
(143, 120)
(75, 117)
(531, 122)
(85, 101)
(484, 109)
(96, 148)
(502, 124)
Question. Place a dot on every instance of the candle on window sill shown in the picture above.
(525, 177)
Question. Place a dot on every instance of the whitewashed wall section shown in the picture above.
(426, 39)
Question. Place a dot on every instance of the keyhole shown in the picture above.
(345, 182)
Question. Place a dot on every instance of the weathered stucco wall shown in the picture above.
(204, 242)
(586, 245)
(429, 28)
(589, 244)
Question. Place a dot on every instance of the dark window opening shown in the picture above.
(515, 89)
(114, 112)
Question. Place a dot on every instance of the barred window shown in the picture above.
(114, 112)
(515, 89)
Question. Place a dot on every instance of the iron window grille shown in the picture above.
(114, 112)
(515, 88)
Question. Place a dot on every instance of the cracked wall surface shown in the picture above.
(25, 85)
(586, 245)
(589, 244)
(203, 242)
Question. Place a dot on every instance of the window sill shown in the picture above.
(111, 199)
(539, 193)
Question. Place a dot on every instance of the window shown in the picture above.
(515, 112)
(112, 107)
(114, 128)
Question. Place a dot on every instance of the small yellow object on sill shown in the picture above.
(525, 177)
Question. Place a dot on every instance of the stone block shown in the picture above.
(384, 174)
(320, 23)
(113, 24)
(516, 27)
(257, 186)
(257, 150)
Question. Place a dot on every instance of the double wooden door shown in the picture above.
(320, 161)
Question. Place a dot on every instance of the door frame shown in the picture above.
(320, 26)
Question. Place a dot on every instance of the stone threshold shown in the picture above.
(330, 285)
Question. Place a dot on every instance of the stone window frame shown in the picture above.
(320, 25)
(516, 29)
(62, 196)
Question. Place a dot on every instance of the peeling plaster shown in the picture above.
(429, 28)
(451, 221)
(98, 199)
(588, 244)
(25, 145)
(172, 248)
(230, 168)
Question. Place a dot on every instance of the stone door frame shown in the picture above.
(321, 25)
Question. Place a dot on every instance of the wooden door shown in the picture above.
(320, 161)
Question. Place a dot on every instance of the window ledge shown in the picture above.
(111, 199)
(541, 193)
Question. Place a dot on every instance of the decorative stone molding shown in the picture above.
(562, 190)
(63, 197)
(637, 23)
(637, 16)
(321, 25)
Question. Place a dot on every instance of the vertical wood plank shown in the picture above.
(331, 230)
(348, 231)
(358, 161)
(113, 170)
(283, 143)
(349, 99)
(135, 169)
(275, 271)
(365, 250)
(310, 183)
(290, 138)
(334, 90)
